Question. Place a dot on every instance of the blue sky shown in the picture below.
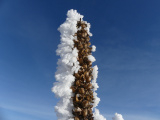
(126, 34)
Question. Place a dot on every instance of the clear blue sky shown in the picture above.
(126, 33)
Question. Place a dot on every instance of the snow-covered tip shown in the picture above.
(97, 115)
(117, 117)
(74, 15)
(93, 48)
(91, 58)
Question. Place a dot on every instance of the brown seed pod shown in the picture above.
(78, 82)
(76, 75)
(88, 98)
(82, 76)
(90, 92)
(88, 79)
(83, 52)
(89, 43)
(90, 70)
(77, 109)
(76, 118)
(86, 50)
(87, 93)
(81, 91)
(80, 72)
(89, 86)
(85, 103)
(89, 111)
(80, 55)
(84, 34)
(79, 34)
(85, 59)
(87, 39)
(80, 46)
(91, 118)
(90, 106)
(82, 39)
(85, 66)
(73, 89)
(85, 112)
(86, 74)
(85, 46)
(81, 60)
(85, 118)
(78, 98)
(89, 63)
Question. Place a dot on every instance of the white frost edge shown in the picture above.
(97, 115)
(64, 74)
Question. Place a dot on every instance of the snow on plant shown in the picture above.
(76, 79)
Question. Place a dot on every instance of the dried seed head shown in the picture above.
(78, 82)
(89, 86)
(85, 66)
(73, 89)
(77, 109)
(82, 39)
(76, 75)
(78, 98)
(87, 39)
(85, 46)
(81, 60)
(88, 79)
(80, 46)
(89, 44)
(85, 112)
(84, 34)
(88, 98)
(86, 74)
(86, 50)
(89, 111)
(85, 103)
(81, 91)
(76, 118)
(89, 63)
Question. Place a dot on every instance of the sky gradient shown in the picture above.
(126, 34)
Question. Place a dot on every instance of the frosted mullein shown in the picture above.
(75, 76)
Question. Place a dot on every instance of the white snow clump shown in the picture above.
(93, 48)
(117, 117)
(97, 115)
(67, 65)
(91, 58)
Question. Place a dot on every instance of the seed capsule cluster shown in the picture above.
(82, 87)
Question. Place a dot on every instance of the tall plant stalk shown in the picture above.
(82, 87)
